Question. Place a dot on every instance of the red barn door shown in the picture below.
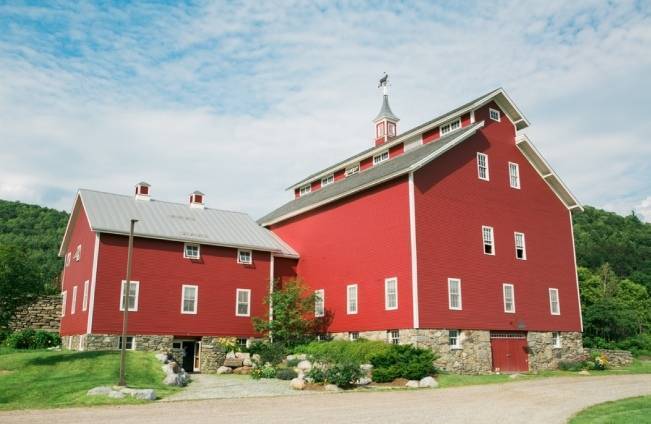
(509, 350)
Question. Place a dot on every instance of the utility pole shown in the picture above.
(125, 320)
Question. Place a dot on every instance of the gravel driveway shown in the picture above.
(550, 400)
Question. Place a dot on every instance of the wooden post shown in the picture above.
(125, 320)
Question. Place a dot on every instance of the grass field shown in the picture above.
(49, 379)
(626, 411)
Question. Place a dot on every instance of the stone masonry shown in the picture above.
(616, 358)
(213, 354)
(44, 313)
(544, 356)
(111, 342)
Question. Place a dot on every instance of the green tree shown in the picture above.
(19, 281)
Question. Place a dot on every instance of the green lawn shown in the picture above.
(49, 379)
(626, 411)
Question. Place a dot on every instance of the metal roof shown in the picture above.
(111, 213)
(385, 111)
(409, 161)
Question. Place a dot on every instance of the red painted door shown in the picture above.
(509, 350)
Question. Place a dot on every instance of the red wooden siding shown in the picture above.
(452, 204)
(284, 269)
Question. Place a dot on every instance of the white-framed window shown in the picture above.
(379, 130)
(306, 189)
(454, 294)
(554, 302)
(393, 336)
(353, 335)
(352, 170)
(391, 129)
(134, 289)
(327, 180)
(243, 302)
(131, 343)
(520, 246)
(450, 126)
(243, 342)
(84, 302)
(64, 298)
(78, 253)
(514, 175)
(244, 257)
(494, 114)
(391, 293)
(489, 240)
(556, 340)
(454, 339)
(73, 304)
(189, 299)
(351, 299)
(191, 251)
(319, 303)
(509, 298)
(381, 157)
(482, 166)
(67, 259)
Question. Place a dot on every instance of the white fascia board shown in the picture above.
(451, 144)
(73, 216)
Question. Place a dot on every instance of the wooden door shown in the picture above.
(510, 351)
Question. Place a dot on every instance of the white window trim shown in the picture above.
(320, 299)
(449, 126)
(185, 253)
(84, 303)
(68, 258)
(517, 175)
(327, 180)
(73, 303)
(248, 303)
(64, 299)
(348, 310)
(133, 342)
(492, 240)
(306, 189)
(557, 344)
(454, 308)
(504, 286)
(386, 293)
(196, 299)
(558, 302)
(458, 345)
(239, 261)
(353, 335)
(135, 301)
(390, 337)
(488, 174)
(524, 246)
(497, 112)
(380, 157)
(352, 170)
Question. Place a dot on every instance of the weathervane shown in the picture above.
(384, 82)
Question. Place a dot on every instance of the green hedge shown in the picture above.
(403, 361)
(31, 339)
(342, 351)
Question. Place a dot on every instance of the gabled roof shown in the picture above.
(403, 164)
(111, 213)
(499, 96)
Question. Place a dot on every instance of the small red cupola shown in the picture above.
(142, 191)
(386, 123)
(197, 199)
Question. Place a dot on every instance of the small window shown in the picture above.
(134, 288)
(84, 303)
(64, 298)
(482, 167)
(494, 114)
(67, 260)
(454, 339)
(352, 170)
(514, 175)
(191, 251)
(509, 298)
(379, 130)
(520, 248)
(73, 304)
(450, 126)
(489, 241)
(391, 294)
(78, 253)
(393, 336)
(189, 297)
(244, 257)
(306, 189)
(353, 335)
(243, 300)
(351, 299)
(454, 294)
(319, 303)
(176, 345)
(392, 129)
(131, 345)
(327, 180)
(554, 304)
(556, 340)
(242, 342)
(381, 157)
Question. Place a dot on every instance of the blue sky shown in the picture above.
(241, 99)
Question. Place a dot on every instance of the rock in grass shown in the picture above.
(162, 357)
(584, 372)
(428, 382)
(116, 394)
(412, 384)
(144, 394)
(297, 384)
(363, 381)
(224, 370)
(304, 365)
(331, 388)
(101, 390)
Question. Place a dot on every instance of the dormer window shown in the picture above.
(306, 189)
(450, 126)
(244, 257)
(327, 180)
(379, 158)
(352, 170)
(191, 251)
(142, 191)
(494, 114)
(197, 200)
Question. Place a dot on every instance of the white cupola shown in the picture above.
(197, 199)
(142, 191)
(386, 123)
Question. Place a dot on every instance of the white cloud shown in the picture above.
(644, 209)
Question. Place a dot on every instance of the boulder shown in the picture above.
(230, 355)
(331, 388)
(428, 382)
(366, 369)
(233, 362)
(304, 365)
(291, 357)
(101, 390)
(162, 357)
(242, 370)
(115, 394)
(144, 394)
(224, 370)
(584, 372)
(412, 384)
(363, 381)
(297, 384)
(255, 358)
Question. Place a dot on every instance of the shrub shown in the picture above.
(285, 373)
(342, 374)
(337, 351)
(599, 361)
(317, 374)
(272, 353)
(266, 371)
(403, 361)
(30, 339)
(291, 363)
(638, 345)
(572, 365)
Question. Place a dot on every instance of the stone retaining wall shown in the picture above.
(148, 342)
(544, 356)
(43, 313)
(616, 358)
(213, 354)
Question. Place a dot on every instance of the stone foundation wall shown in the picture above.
(213, 354)
(152, 343)
(43, 313)
(616, 358)
(544, 356)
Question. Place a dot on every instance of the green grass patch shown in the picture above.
(635, 410)
(336, 351)
(50, 379)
